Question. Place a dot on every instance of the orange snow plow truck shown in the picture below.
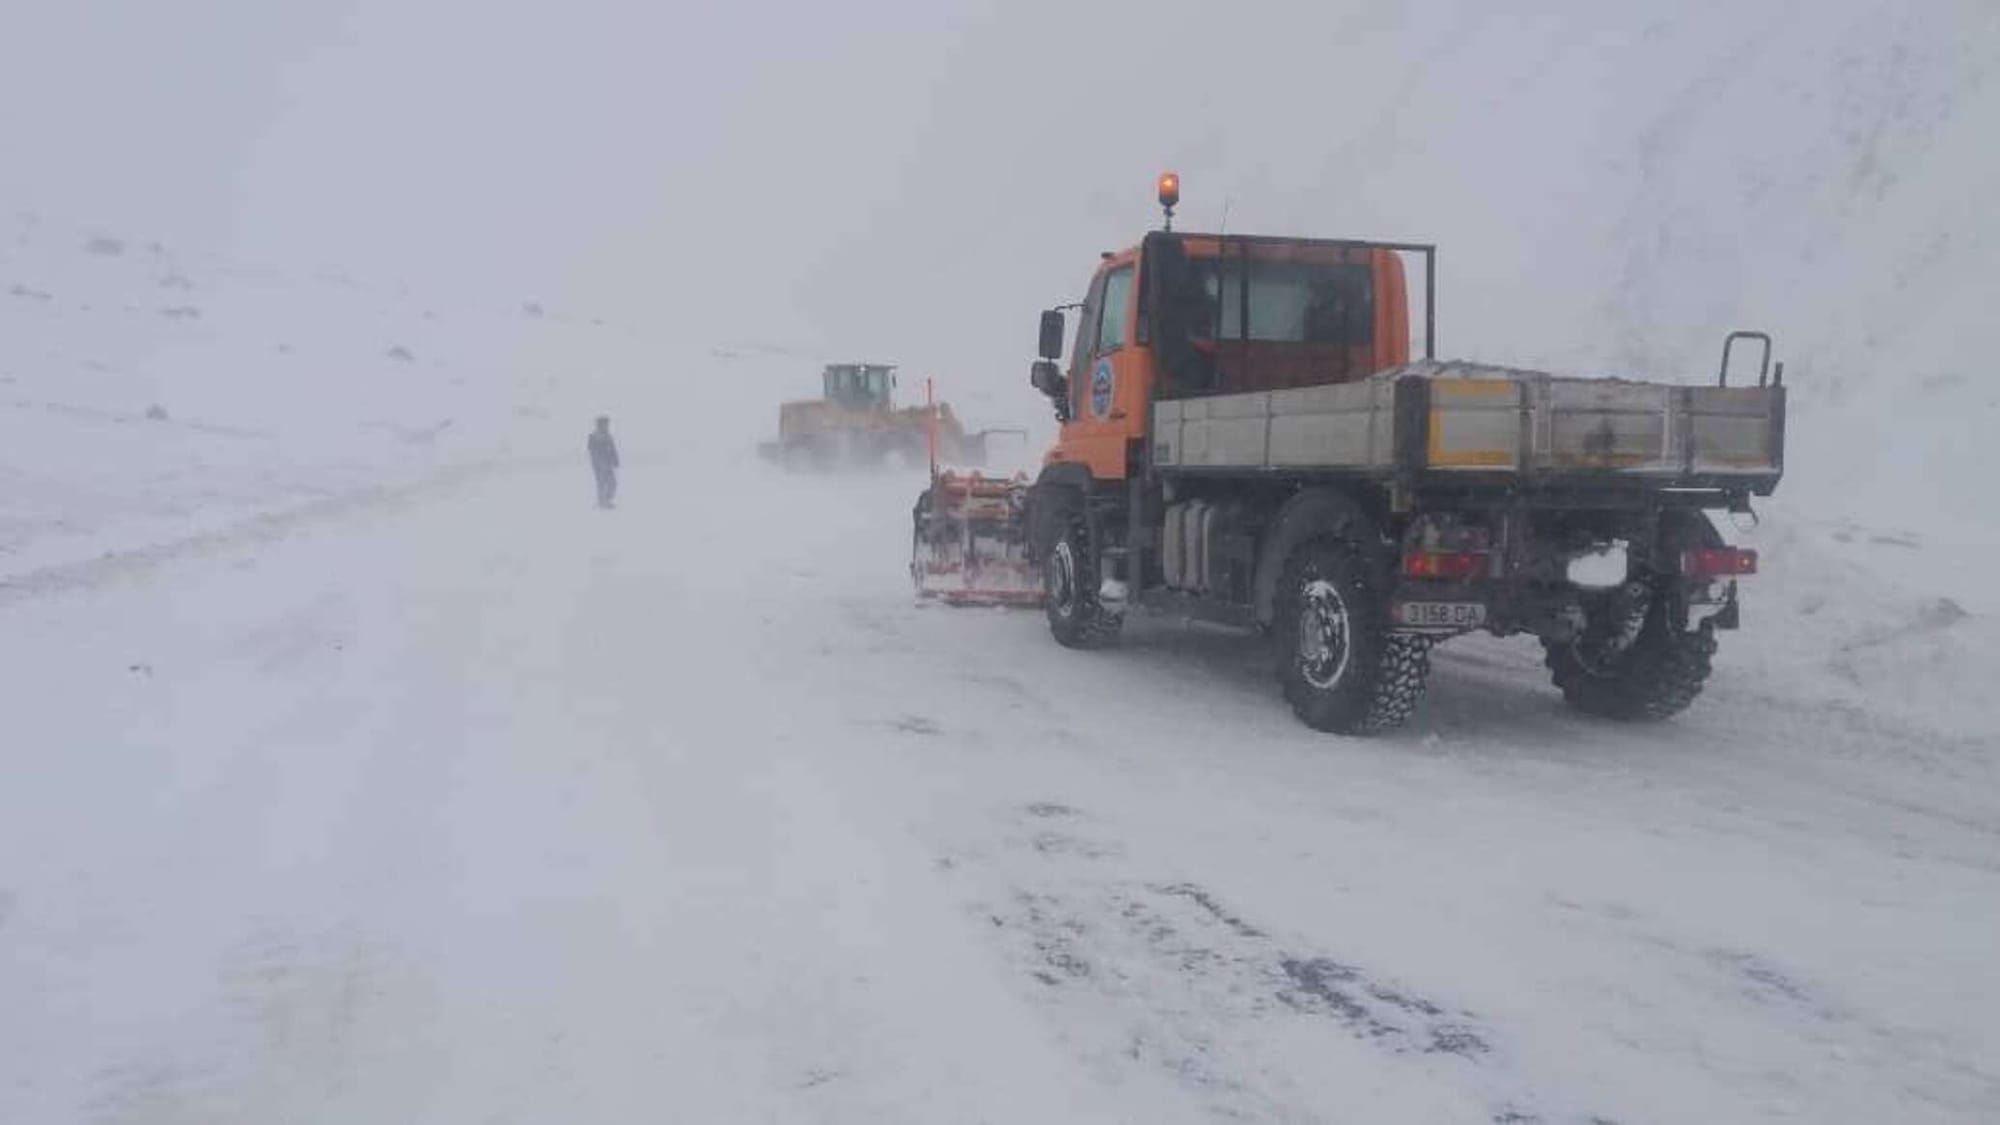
(1246, 439)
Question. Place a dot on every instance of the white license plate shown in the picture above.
(1441, 615)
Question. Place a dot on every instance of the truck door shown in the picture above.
(1107, 402)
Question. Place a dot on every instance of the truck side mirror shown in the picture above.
(1052, 334)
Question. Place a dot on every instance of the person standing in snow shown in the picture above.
(604, 461)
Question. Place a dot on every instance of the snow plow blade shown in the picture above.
(969, 542)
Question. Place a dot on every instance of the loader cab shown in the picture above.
(1191, 315)
(859, 386)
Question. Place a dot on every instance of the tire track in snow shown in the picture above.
(1165, 976)
(311, 1014)
(1765, 984)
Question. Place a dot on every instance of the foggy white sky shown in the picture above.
(1612, 184)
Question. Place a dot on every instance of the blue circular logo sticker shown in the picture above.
(1102, 382)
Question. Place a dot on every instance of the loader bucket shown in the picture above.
(969, 542)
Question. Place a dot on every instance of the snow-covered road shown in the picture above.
(492, 807)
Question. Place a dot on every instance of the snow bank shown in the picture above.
(148, 392)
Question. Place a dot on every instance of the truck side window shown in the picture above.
(1115, 313)
(1086, 329)
(1086, 346)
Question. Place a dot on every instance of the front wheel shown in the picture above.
(1077, 617)
(1341, 669)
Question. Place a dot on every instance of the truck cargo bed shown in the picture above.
(1433, 423)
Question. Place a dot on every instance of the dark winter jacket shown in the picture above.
(603, 451)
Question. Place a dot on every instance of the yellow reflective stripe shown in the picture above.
(1472, 388)
(1467, 458)
(1476, 457)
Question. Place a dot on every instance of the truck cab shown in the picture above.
(1191, 315)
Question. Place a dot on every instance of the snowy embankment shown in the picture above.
(150, 395)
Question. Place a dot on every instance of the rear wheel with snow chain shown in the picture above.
(1341, 669)
(1653, 674)
(1070, 584)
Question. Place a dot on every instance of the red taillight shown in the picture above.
(1447, 564)
(1719, 562)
